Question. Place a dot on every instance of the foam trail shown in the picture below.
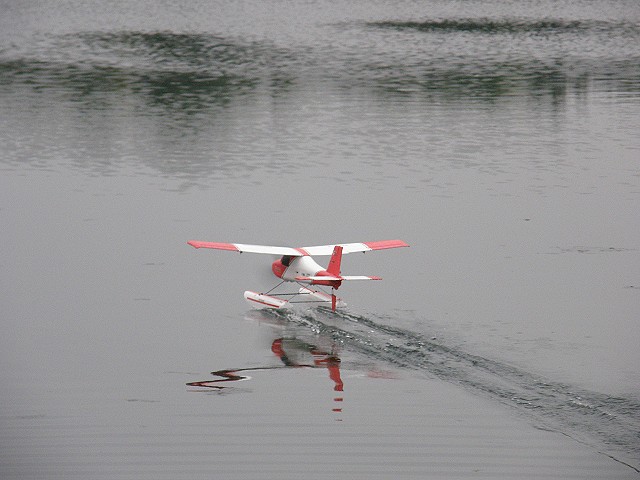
(609, 424)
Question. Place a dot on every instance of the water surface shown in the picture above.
(499, 139)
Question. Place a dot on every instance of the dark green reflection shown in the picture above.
(491, 26)
(188, 71)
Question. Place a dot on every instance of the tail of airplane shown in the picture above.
(336, 260)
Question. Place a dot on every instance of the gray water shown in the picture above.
(499, 139)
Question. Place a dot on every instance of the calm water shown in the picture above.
(499, 139)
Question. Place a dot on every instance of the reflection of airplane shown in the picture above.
(296, 265)
(291, 352)
(320, 359)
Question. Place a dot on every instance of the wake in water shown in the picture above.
(609, 424)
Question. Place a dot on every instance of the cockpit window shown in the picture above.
(286, 260)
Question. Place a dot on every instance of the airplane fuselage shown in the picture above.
(292, 269)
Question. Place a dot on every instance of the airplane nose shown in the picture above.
(278, 268)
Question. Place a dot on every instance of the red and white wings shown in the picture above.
(319, 250)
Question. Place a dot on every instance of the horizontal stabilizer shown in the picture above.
(328, 278)
(360, 277)
(314, 278)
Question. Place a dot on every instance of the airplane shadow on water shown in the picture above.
(293, 352)
(281, 347)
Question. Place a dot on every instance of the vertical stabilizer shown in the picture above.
(336, 260)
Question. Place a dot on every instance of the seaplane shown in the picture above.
(297, 265)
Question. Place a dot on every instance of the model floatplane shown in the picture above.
(297, 265)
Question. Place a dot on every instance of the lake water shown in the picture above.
(499, 139)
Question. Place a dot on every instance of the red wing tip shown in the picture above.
(216, 245)
(378, 278)
(382, 244)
